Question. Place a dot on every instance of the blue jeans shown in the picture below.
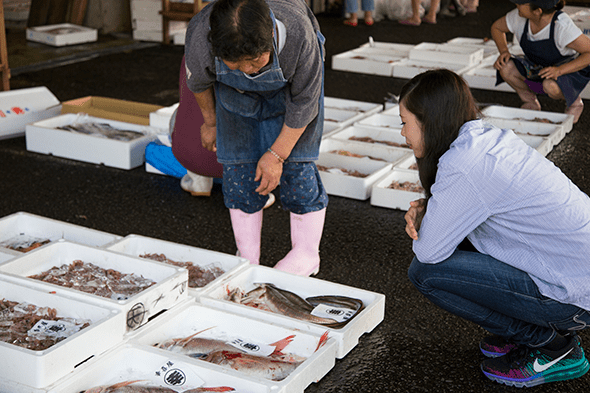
(352, 5)
(501, 299)
(302, 190)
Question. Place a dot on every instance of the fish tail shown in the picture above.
(322, 340)
(281, 344)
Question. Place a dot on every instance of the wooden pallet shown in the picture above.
(4, 70)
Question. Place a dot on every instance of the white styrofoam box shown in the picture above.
(347, 185)
(191, 318)
(5, 256)
(408, 69)
(62, 34)
(376, 58)
(382, 120)
(483, 76)
(137, 245)
(539, 143)
(506, 112)
(161, 117)
(489, 46)
(21, 106)
(346, 337)
(554, 132)
(40, 368)
(152, 169)
(406, 163)
(341, 117)
(373, 151)
(330, 127)
(392, 110)
(179, 37)
(444, 53)
(170, 287)
(44, 137)
(26, 225)
(367, 108)
(381, 135)
(384, 196)
(131, 362)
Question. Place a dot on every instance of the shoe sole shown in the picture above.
(575, 371)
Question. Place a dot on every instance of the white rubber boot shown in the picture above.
(247, 232)
(197, 185)
(306, 234)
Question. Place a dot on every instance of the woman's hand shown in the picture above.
(268, 172)
(502, 60)
(550, 73)
(414, 217)
(209, 137)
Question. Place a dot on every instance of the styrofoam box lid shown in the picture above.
(381, 120)
(380, 135)
(191, 318)
(347, 185)
(375, 151)
(352, 105)
(41, 368)
(23, 224)
(347, 337)
(505, 112)
(131, 362)
(21, 106)
(64, 252)
(136, 245)
(384, 196)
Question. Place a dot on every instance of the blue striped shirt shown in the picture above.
(514, 205)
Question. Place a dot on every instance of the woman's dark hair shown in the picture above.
(442, 103)
(557, 7)
(240, 28)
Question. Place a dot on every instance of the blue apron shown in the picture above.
(250, 112)
(544, 53)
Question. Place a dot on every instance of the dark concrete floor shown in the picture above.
(417, 347)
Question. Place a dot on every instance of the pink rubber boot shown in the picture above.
(306, 234)
(247, 232)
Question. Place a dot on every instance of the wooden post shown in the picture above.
(4, 70)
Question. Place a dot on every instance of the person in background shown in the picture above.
(256, 71)
(201, 164)
(351, 7)
(502, 238)
(429, 18)
(556, 54)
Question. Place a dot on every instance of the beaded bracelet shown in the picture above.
(274, 153)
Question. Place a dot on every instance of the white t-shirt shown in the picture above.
(565, 31)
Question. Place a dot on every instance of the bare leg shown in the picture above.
(554, 91)
(430, 17)
(511, 75)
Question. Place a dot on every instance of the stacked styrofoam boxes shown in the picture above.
(27, 370)
(147, 21)
(375, 58)
(452, 57)
(489, 46)
(23, 226)
(136, 246)
(45, 137)
(346, 337)
(341, 112)
(169, 289)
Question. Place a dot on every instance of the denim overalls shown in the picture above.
(250, 112)
(544, 53)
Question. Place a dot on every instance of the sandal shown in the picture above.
(350, 23)
(370, 22)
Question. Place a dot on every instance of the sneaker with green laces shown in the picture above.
(525, 366)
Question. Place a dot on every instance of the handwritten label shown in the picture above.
(339, 314)
(175, 375)
(252, 348)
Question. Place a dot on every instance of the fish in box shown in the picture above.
(554, 132)
(373, 135)
(388, 193)
(169, 282)
(243, 346)
(207, 267)
(367, 108)
(519, 114)
(346, 337)
(373, 151)
(21, 232)
(382, 120)
(32, 368)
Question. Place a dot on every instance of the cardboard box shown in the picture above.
(36, 369)
(136, 245)
(62, 34)
(111, 108)
(170, 286)
(23, 106)
(346, 337)
(209, 323)
(45, 137)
